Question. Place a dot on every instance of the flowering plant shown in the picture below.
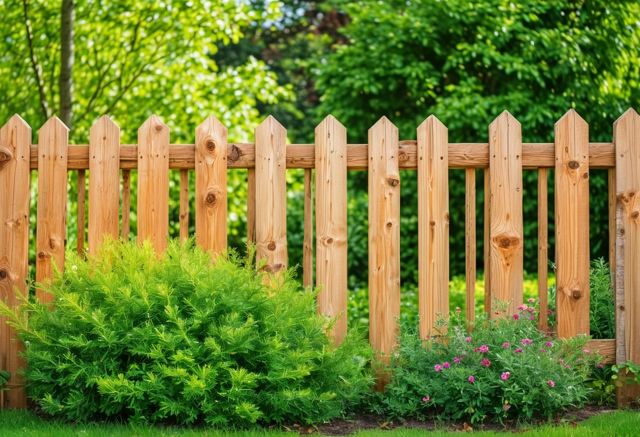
(501, 369)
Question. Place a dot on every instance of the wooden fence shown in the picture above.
(502, 158)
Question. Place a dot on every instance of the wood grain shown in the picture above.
(271, 195)
(153, 183)
(104, 198)
(331, 223)
(485, 238)
(183, 216)
(506, 233)
(211, 186)
(433, 226)
(126, 203)
(572, 224)
(626, 133)
(470, 243)
(52, 202)
(81, 212)
(251, 206)
(384, 240)
(15, 139)
(307, 243)
(543, 249)
(242, 155)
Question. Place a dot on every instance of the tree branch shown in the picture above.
(65, 82)
(37, 69)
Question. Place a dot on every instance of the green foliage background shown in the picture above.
(464, 61)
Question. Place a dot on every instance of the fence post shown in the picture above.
(52, 201)
(572, 224)
(433, 224)
(104, 176)
(384, 240)
(15, 143)
(211, 186)
(626, 134)
(505, 210)
(153, 183)
(271, 195)
(331, 223)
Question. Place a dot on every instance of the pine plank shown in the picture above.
(211, 186)
(15, 141)
(242, 155)
(153, 183)
(612, 199)
(384, 240)
(506, 233)
(104, 172)
(251, 206)
(433, 225)
(126, 204)
(81, 212)
(307, 245)
(486, 245)
(52, 202)
(572, 224)
(470, 242)
(271, 195)
(543, 249)
(626, 132)
(331, 223)
(183, 216)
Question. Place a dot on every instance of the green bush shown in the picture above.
(4, 378)
(505, 369)
(178, 339)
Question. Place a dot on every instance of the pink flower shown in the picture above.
(457, 360)
(483, 349)
(551, 383)
(549, 344)
(543, 350)
(426, 399)
(531, 300)
(531, 318)
(505, 376)
(485, 362)
(516, 316)
(526, 341)
(518, 350)
(458, 310)
(506, 345)
(531, 309)
(446, 365)
(438, 367)
(468, 339)
(522, 307)
(471, 379)
(586, 351)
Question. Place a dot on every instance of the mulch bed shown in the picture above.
(364, 422)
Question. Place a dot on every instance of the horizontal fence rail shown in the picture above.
(326, 163)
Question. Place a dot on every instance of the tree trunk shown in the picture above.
(66, 61)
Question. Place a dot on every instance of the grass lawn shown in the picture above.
(24, 423)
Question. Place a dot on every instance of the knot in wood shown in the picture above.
(271, 246)
(273, 268)
(585, 175)
(621, 307)
(635, 214)
(576, 293)
(158, 127)
(43, 255)
(211, 145)
(4, 274)
(573, 165)
(393, 181)
(234, 153)
(329, 240)
(506, 241)
(210, 199)
(5, 155)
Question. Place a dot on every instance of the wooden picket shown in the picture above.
(505, 210)
(104, 196)
(271, 195)
(572, 224)
(153, 183)
(502, 160)
(433, 225)
(331, 223)
(52, 201)
(211, 186)
(15, 141)
(384, 238)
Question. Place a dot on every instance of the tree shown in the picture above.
(465, 62)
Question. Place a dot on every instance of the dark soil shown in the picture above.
(364, 422)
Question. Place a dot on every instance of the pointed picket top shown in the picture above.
(210, 126)
(153, 123)
(54, 123)
(505, 118)
(433, 122)
(330, 121)
(629, 116)
(571, 117)
(384, 123)
(16, 122)
(270, 125)
(104, 124)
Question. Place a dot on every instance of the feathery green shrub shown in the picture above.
(177, 339)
